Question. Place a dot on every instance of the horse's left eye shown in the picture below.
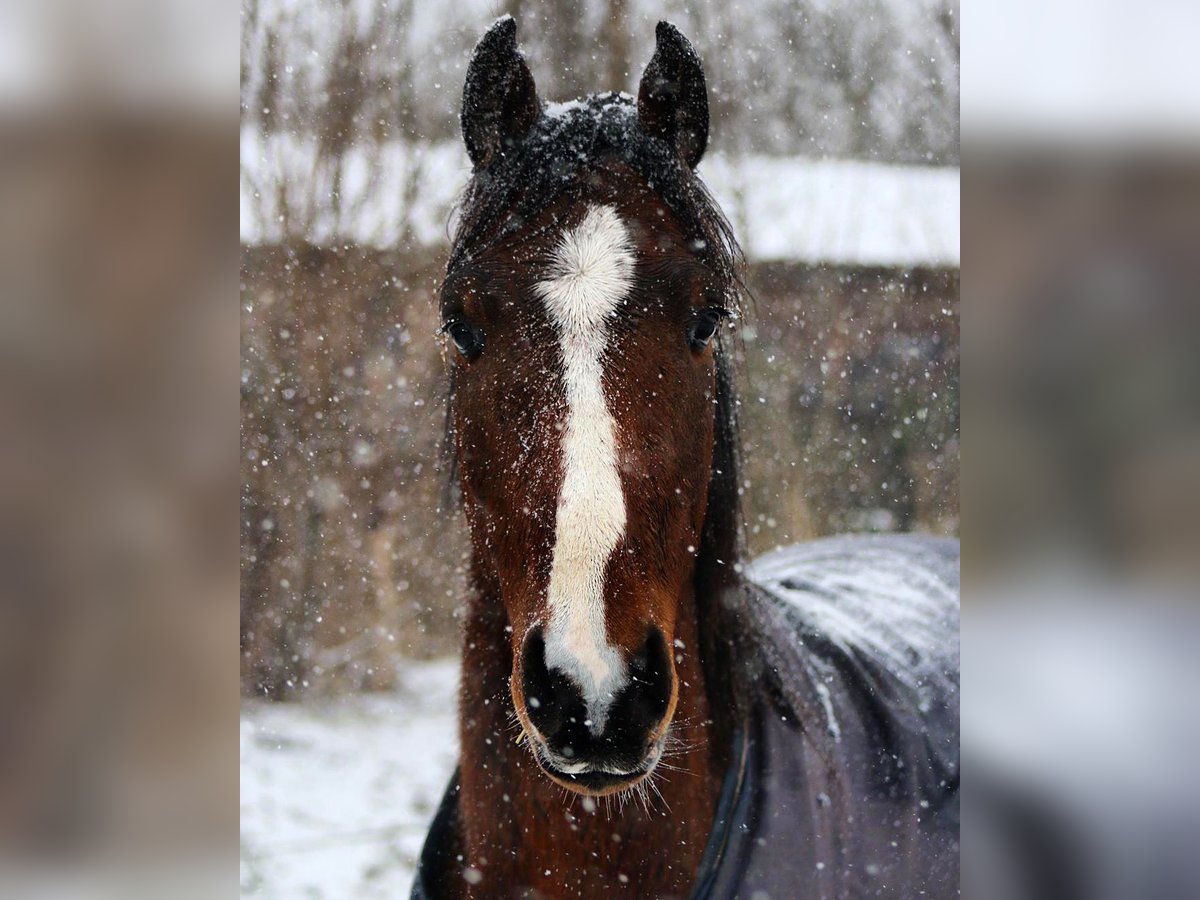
(703, 326)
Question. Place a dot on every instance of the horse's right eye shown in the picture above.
(467, 338)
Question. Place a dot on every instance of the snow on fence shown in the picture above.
(782, 208)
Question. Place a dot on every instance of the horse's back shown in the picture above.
(882, 607)
(854, 568)
(851, 784)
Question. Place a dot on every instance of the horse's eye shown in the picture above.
(703, 326)
(467, 339)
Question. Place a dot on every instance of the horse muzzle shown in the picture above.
(597, 778)
(591, 750)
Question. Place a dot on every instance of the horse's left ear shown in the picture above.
(673, 99)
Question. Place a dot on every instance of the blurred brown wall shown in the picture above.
(116, 470)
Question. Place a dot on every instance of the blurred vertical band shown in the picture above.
(1081, 289)
(118, 445)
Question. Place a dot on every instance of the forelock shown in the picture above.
(568, 143)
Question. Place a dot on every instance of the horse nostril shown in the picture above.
(651, 668)
(550, 698)
(535, 678)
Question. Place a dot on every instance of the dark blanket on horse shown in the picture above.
(844, 780)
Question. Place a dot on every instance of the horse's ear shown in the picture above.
(500, 102)
(672, 99)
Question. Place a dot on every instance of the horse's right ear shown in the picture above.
(500, 102)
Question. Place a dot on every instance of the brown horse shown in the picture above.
(622, 675)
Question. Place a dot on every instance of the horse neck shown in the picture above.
(522, 831)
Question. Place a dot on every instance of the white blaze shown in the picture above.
(591, 273)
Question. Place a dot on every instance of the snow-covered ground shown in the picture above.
(336, 796)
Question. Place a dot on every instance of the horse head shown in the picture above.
(583, 303)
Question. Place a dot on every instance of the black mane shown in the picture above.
(569, 141)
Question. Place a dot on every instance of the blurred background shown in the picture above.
(834, 152)
(118, 514)
(118, 448)
(1081, 565)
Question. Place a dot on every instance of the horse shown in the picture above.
(644, 711)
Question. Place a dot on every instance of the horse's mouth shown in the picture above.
(598, 780)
